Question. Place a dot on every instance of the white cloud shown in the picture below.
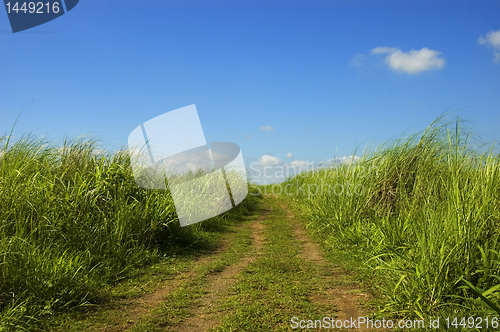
(492, 39)
(268, 160)
(248, 137)
(300, 163)
(289, 155)
(270, 169)
(411, 62)
(267, 128)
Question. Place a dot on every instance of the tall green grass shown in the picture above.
(72, 222)
(422, 210)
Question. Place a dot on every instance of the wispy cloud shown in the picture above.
(492, 39)
(357, 61)
(411, 62)
(383, 50)
(267, 128)
(248, 137)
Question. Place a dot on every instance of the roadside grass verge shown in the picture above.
(73, 224)
(422, 212)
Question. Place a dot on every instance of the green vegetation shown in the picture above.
(279, 284)
(73, 223)
(180, 303)
(271, 283)
(423, 211)
(418, 218)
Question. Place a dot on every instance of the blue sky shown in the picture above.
(324, 76)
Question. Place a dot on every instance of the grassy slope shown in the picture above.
(424, 211)
(73, 223)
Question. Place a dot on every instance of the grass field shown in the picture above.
(408, 231)
(423, 211)
(73, 223)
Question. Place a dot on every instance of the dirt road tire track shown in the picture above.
(139, 308)
(344, 296)
(218, 284)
